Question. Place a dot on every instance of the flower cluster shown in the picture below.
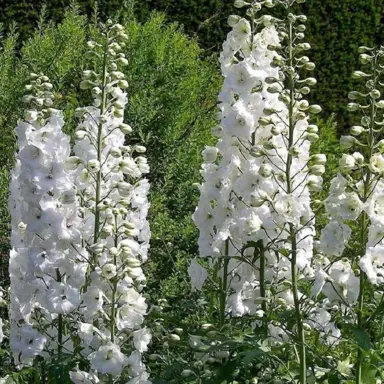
(352, 255)
(254, 215)
(46, 271)
(113, 192)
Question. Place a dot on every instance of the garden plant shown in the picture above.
(155, 235)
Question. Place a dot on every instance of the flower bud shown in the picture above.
(174, 338)
(265, 170)
(115, 152)
(317, 170)
(315, 109)
(352, 107)
(312, 137)
(71, 163)
(314, 183)
(233, 20)
(318, 159)
(347, 142)
(359, 75)
(310, 81)
(80, 135)
(186, 373)
(356, 130)
(125, 128)
(94, 165)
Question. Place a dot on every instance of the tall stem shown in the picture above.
(261, 251)
(100, 148)
(294, 273)
(223, 285)
(59, 322)
(363, 226)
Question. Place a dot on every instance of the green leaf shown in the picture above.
(368, 373)
(252, 355)
(362, 339)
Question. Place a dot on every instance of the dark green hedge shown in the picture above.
(335, 29)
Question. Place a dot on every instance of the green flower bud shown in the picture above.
(312, 137)
(365, 59)
(356, 130)
(353, 95)
(359, 75)
(310, 81)
(302, 18)
(301, 28)
(240, 4)
(300, 115)
(364, 49)
(375, 94)
(305, 90)
(347, 142)
(264, 121)
(186, 373)
(353, 107)
(233, 20)
(312, 128)
(310, 66)
(315, 109)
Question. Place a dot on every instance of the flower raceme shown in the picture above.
(351, 256)
(45, 268)
(254, 215)
(113, 192)
(79, 228)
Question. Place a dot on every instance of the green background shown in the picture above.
(335, 30)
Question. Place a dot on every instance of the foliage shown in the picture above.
(335, 31)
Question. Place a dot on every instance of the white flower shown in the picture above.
(375, 208)
(27, 344)
(376, 163)
(197, 274)
(347, 163)
(289, 208)
(81, 377)
(108, 359)
(62, 298)
(109, 271)
(141, 339)
(1, 331)
(251, 224)
(239, 121)
(372, 263)
(347, 206)
(334, 237)
(210, 154)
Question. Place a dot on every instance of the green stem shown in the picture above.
(59, 322)
(262, 284)
(223, 285)
(100, 148)
(363, 229)
(294, 273)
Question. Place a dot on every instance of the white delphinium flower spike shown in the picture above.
(254, 215)
(355, 207)
(113, 192)
(46, 269)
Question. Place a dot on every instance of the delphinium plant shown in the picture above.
(112, 190)
(79, 231)
(45, 268)
(255, 216)
(350, 272)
